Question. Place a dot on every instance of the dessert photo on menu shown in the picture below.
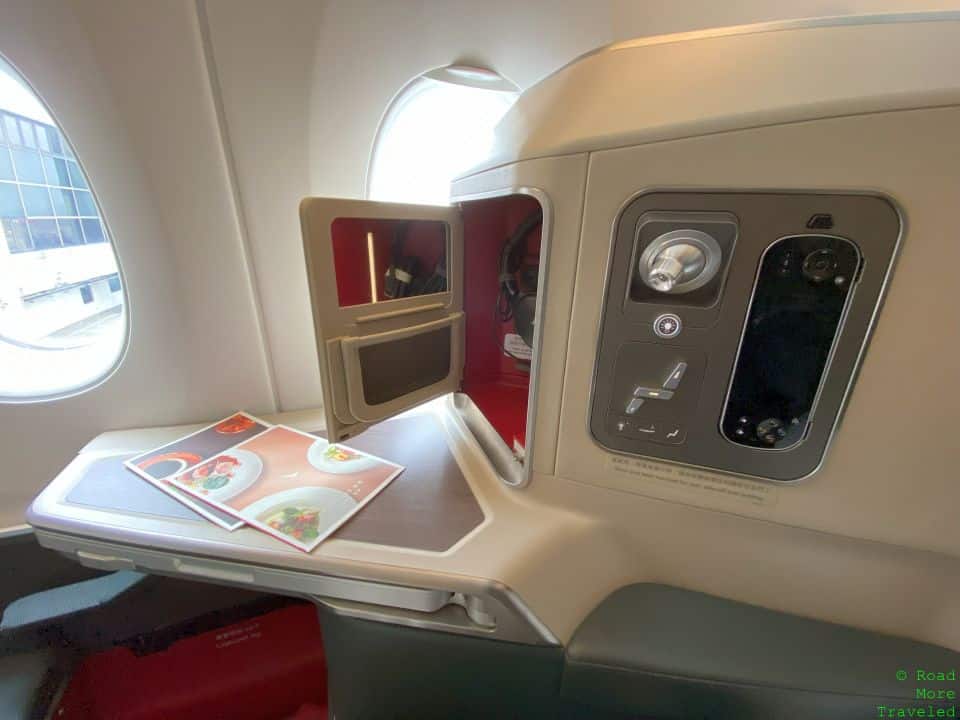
(292, 485)
(158, 465)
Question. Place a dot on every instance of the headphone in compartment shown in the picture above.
(517, 299)
(404, 277)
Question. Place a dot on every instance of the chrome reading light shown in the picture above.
(680, 261)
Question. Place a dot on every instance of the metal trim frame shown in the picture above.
(524, 473)
(15, 531)
(868, 334)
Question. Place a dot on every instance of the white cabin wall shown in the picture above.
(163, 91)
(263, 57)
(126, 83)
(368, 49)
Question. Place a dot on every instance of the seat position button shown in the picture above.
(673, 381)
(633, 405)
(671, 434)
(652, 393)
(620, 425)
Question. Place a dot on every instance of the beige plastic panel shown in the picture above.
(580, 540)
(562, 546)
(891, 473)
(871, 540)
(690, 84)
(341, 332)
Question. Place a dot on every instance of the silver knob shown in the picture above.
(680, 261)
(676, 264)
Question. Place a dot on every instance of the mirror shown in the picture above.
(378, 260)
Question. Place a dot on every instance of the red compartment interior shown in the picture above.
(268, 667)
(425, 240)
(496, 383)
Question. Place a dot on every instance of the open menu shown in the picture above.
(287, 483)
(158, 465)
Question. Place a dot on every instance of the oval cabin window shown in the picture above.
(63, 323)
(437, 127)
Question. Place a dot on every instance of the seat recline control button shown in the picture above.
(670, 434)
(633, 405)
(673, 382)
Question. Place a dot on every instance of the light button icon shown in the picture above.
(667, 325)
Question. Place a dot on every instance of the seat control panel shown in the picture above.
(656, 392)
(732, 328)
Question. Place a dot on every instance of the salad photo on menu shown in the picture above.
(289, 484)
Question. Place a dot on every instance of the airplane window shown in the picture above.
(63, 325)
(440, 125)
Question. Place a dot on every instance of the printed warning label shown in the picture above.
(694, 483)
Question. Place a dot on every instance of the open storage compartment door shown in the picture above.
(501, 298)
(387, 298)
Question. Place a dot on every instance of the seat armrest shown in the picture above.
(653, 649)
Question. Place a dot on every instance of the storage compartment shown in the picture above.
(427, 301)
(496, 373)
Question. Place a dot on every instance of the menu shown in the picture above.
(287, 483)
(158, 465)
